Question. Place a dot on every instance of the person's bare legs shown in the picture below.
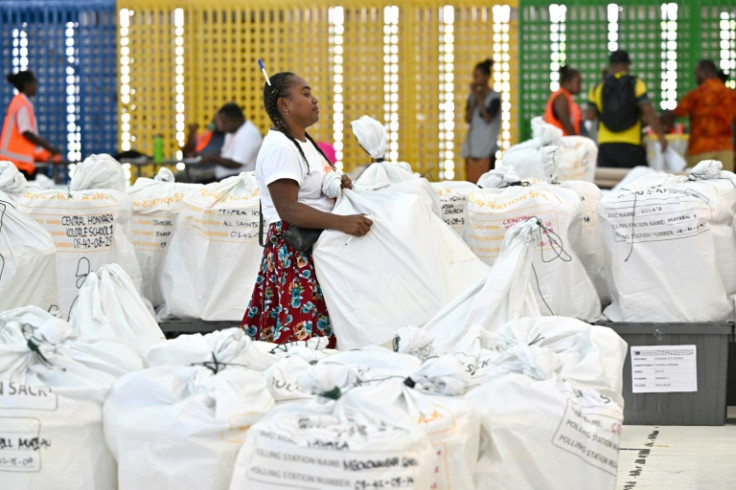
(475, 167)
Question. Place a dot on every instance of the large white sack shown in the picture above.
(356, 441)
(12, 182)
(661, 253)
(505, 293)
(552, 372)
(52, 387)
(576, 155)
(110, 307)
(562, 284)
(453, 200)
(402, 272)
(99, 172)
(27, 262)
(180, 423)
(213, 256)
(90, 228)
(397, 177)
(156, 207)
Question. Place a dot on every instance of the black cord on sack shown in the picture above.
(633, 227)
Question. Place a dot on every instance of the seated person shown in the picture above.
(204, 143)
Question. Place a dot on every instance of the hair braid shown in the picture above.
(280, 83)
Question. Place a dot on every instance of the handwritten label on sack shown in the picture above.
(280, 463)
(223, 225)
(152, 232)
(453, 210)
(656, 215)
(664, 369)
(592, 437)
(15, 395)
(21, 444)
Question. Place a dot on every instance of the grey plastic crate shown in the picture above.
(707, 406)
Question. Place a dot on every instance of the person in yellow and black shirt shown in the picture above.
(619, 102)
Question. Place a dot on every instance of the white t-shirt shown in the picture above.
(23, 119)
(279, 159)
(242, 147)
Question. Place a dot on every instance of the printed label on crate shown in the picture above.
(21, 444)
(592, 437)
(280, 463)
(664, 369)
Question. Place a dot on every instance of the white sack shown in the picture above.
(372, 136)
(357, 441)
(397, 177)
(12, 182)
(564, 287)
(27, 262)
(402, 272)
(668, 160)
(156, 207)
(110, 307)
(453, 200)
(90, 228)
(661, 252)
(51, 403)
(213, 256)
(99, 172)
(551, 371)
(505, 293)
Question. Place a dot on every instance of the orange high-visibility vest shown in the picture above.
(203, 141)
(13, 145)
(575, 114)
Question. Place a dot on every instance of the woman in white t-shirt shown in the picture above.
(287, 303)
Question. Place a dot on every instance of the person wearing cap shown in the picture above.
(712, 111)
(619, 102)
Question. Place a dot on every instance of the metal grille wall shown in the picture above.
(405, 63)
(71, 48)
(664, 39)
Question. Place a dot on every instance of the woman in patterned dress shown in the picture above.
(287, 303)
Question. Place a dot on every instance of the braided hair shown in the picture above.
(280, 83)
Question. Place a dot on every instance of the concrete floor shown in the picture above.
(678, 457)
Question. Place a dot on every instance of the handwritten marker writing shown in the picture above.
(263, 70)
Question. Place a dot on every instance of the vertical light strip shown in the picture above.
(502, 72)
(179, 80)
(612, 27)
(336, 16)
(20, 49)
(668, 86)
(557, 43)
(728, 46)
(447, 93)
(391, 78)
(124, 81)
(73, 130)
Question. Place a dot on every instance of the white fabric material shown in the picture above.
(562, 285)
(402, 272)
(499, 178)
(637, 173)
(665, 250)
(179, 425)
(280, 159)
(453, 201)
(574, 157)
(505, 294)
(556, 373)
(242, 147)
(332, 184)
(213, 257)
(23, 118)
(668, 160)
(157, 204)
(54, 403)
(358, 438)
(90, 228)
(12, 182)
(110, 307)
(397, 177)
(27, 262)
(99, 172)
(372, 136)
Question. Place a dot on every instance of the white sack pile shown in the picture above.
(454, 200)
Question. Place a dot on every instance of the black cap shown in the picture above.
(619, 56)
